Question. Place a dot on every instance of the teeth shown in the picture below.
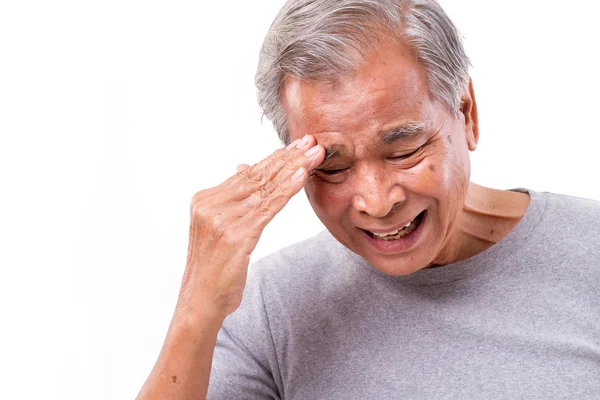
(397, 234)
(392, 233)
(387, 234)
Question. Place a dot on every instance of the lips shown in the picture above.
(382, 232)
(404, 240)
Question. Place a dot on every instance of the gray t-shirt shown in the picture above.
(520, 320)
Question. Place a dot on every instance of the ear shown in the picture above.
(468, 108)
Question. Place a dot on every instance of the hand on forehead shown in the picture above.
(335, 144)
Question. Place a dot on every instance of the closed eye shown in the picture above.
(404, 156)
(332, 171)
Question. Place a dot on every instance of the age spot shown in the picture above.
(449, 138)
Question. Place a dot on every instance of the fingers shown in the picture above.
(289, 159)
(241, 167)
(228, 220)
(269, 199)
(265, 205)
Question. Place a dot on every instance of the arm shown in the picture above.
(182, 370)
(226, 223)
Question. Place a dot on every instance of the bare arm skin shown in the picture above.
(226, 224)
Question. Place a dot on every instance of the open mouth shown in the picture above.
(399, 233)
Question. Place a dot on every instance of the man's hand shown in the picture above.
(227, 221)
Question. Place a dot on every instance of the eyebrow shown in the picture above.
(405, 131)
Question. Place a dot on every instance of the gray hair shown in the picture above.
(322, 40)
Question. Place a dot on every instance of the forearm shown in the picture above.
(182, 370)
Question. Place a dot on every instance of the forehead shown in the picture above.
(388, 90)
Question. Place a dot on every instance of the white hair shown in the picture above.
(322, 40)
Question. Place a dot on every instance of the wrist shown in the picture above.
(198, 316)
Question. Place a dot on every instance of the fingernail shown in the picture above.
(293, 144)
(298, 175)
(303, 142)
(312, 152)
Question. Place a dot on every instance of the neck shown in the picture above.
(487, 216)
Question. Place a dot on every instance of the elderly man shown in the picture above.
(425, 285)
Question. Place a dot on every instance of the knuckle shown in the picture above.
(280, 164)
(262, 209)
(208, 218)
(269, 189)
(279, 154)
(281, 158)
(199, 211)
(267, 196)
(263, 192)
(280, 196)
(254, 176)
(198, 197)
(287, 156)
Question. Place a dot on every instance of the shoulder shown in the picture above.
(573, 209)
(571, 223)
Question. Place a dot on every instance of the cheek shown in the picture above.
(452, 177)
(442, 175)
(327, 200)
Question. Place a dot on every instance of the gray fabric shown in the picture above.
(520, 320)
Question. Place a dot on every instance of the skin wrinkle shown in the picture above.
(405, 131)
(376, 191)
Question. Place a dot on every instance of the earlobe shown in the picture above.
(469, 110)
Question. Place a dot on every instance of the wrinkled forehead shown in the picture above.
(389, 88)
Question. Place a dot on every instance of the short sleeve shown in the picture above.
(244, 362)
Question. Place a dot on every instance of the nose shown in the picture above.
(377, 192)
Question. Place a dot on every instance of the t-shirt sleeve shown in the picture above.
(245, 363)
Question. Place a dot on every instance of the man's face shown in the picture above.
(397, 156)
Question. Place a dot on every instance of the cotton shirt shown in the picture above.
(520, 320)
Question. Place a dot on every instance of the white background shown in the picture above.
(114, 113)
